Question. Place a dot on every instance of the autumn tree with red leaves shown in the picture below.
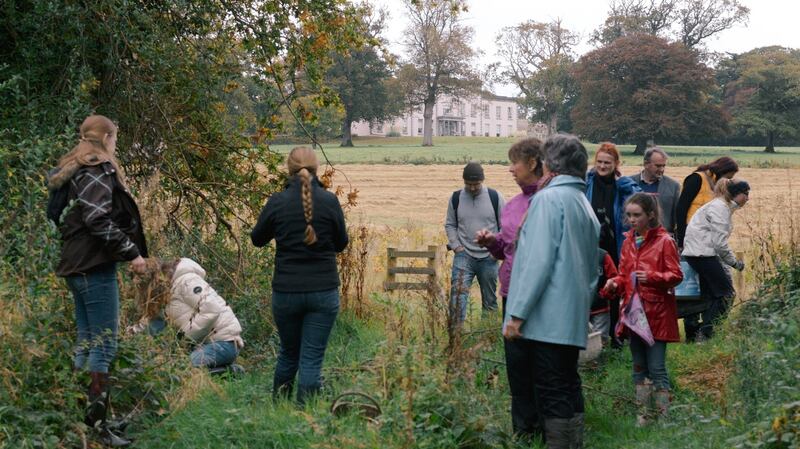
(641, 88)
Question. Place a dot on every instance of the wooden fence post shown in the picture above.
(392, 254)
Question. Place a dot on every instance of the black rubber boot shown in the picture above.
(282, 391)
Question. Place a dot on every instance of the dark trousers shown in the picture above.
(525, 418)
(304, 321)
(716, 287)
(556, 382)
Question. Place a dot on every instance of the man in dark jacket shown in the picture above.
(652, 180)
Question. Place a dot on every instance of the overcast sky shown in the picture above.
(772, 22)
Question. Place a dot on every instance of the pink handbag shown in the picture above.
(634, 318)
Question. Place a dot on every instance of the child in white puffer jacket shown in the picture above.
(179, 289)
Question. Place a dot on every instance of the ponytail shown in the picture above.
(308, 205)
(721, 189)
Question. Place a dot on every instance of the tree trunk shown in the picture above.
(641, 145)
(427, 123)
(347, 136)
(770, 142)
(552, 125)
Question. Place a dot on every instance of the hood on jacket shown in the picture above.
(567, 180)
(187, 266)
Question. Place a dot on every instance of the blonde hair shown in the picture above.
(722, 188)
(302, 161)
(91, 148)
(153, 288)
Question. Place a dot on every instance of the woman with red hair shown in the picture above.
(607, 191)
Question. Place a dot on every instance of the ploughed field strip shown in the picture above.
(397, 195)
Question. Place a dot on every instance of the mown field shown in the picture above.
(457, 150)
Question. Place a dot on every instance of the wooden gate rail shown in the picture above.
(392, 254)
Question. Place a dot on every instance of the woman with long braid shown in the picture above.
(308, 226)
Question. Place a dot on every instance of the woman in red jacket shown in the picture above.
(650, 256)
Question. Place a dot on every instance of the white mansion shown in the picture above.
(485, 115)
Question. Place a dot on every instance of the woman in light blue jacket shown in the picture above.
(552, 286)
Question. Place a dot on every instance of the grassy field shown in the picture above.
(458, 150)
(424, 406)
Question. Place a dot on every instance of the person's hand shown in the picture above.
(485, 238)
(460, 249)
(138, 265)
(641, 276)
(739, 265)
(610, 286)
(511, 329)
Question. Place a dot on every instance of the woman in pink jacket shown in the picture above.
(526, 168)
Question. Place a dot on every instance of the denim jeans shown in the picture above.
(465, 269)
(214, 354)
(649, 362)
(96, 296)
(304, 321)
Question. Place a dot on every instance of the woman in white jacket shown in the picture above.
(705, 248)
(190, 304)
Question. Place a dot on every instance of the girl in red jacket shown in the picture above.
(651, 257)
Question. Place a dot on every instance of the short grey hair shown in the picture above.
(648, 153)
(566, 155)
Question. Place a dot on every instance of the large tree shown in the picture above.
(688, 21)
(195, 87)
(538, 59)
(440, 56)
(642, 88)
(762, 92)
(360, 78)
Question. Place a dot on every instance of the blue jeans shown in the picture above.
(304, 321)
(214, 354)
(465, 269)
(649, 362)
(96, 296)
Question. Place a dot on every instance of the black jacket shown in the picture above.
(102, 223)
(298, 267)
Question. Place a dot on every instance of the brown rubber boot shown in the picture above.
(97, 399)
(662, 403)
(644, 393)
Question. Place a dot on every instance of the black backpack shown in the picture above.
(493, 196)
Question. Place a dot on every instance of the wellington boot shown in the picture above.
(644, 394)
(577, 431)
(558, 433)
(662, 403)
(97, 399)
